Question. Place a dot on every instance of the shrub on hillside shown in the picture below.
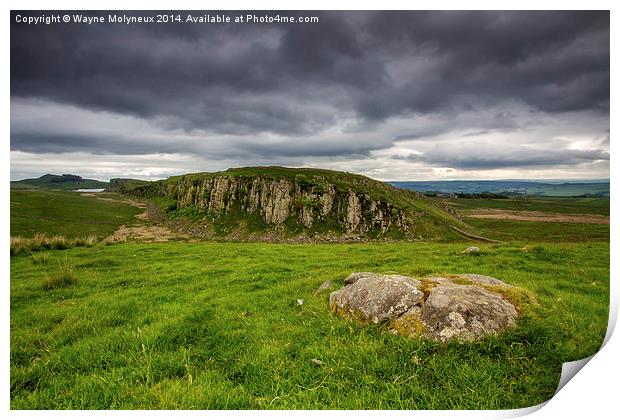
(62, 278)
(25, 246)
(39, 258)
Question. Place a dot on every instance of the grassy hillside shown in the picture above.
(67, 213)
(188, 196)
(217, 326)
(537, 231)
(125, 185)
(58, 182)
(588, 205)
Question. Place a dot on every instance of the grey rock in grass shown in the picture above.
(471, 250)
(353, 277)
(375, 297)
(484, 280)
(466, 313)
(326, 285)
(437, 308)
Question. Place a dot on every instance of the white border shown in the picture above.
(594, 390)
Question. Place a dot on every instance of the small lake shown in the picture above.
(90, 190)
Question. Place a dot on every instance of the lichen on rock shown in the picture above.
(435, 308)
(377, 298)
(465, 312)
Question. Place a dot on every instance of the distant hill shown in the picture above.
(277, 202)
(59, 182)
(598, 188)
(124, 185)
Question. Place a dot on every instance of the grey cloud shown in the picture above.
(61, 129)
(480, 122)
(237, 148)
(496, 159)
(248, 79)
(466, 90)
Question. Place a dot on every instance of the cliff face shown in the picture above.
(301, 203)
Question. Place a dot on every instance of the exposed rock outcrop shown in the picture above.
(465, 307)
(305, 200)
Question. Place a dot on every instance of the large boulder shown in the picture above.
(464, 307)
(465, 312)
(375, 297)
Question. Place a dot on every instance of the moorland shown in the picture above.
(114, 307)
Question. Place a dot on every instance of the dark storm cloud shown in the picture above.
(130, 140)
(67, 143)
(553, 61)
(297, 80)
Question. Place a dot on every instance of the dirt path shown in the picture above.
(538, 216)
(149, 228)
(98, 196)
(152, 233)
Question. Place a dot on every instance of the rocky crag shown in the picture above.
(291, 201)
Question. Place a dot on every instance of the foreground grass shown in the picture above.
(216, 325)
(68, 214)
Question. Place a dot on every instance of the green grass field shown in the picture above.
(68, 214)
(550, 232)
(546, 204)
(537, 231)
(572, 189)
(215, 325)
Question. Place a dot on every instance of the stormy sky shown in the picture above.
(392, 95)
